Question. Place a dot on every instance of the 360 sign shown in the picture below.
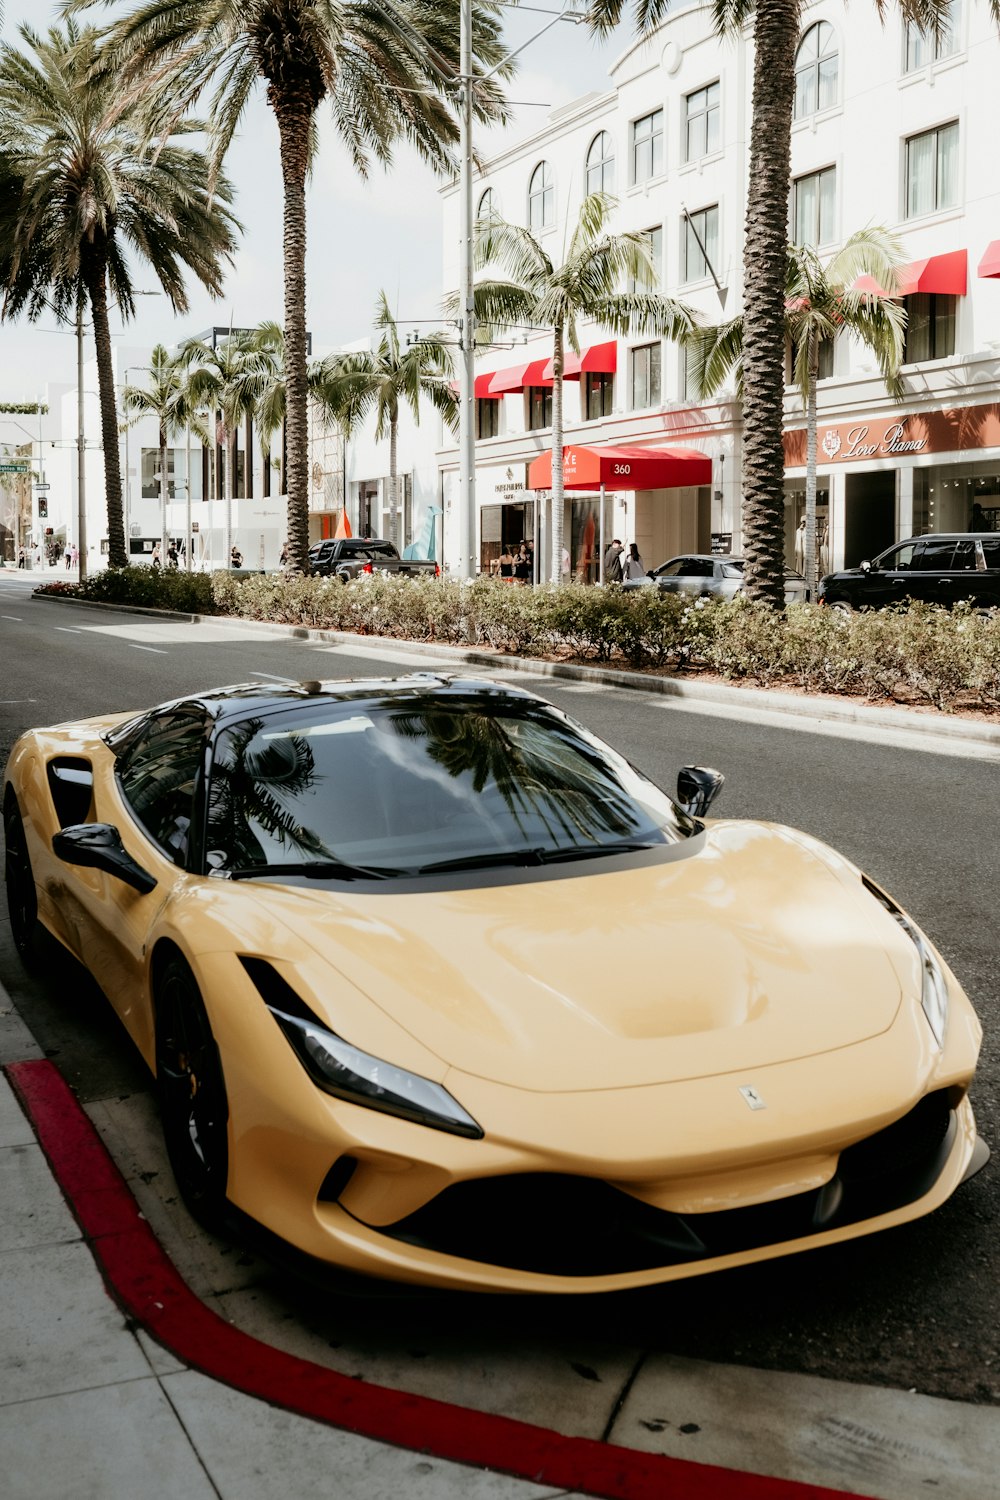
(621, 468)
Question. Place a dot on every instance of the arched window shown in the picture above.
(541, 198)
(601, 164)
(817, 68)
(489, 206)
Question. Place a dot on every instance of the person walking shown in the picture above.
(522, 566)
(69, 557)
(506, 562)
(22, 560)
(235, 557)
(74, 555)
(613, 562)
(634, 567)
(172, 555)
(155, 557)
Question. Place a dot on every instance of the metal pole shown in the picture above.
(600, 567)
(467, 519)
(81, 467)
(187, 478)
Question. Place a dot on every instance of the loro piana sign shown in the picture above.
(948, 431)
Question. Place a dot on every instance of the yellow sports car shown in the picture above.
(437, 987)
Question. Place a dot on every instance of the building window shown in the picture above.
(489, 206)
(647, 146)
(930, 326)
(654, 240)
(932, 170)
(703, 226)
(487, 417)
(919, 50)
(701, 122)
(817, 66)
(539, 407)
(825, 360)
(688, 390)
(599, 396)
(644, 371)
(814, 208)
(601, 164)
(541, 198)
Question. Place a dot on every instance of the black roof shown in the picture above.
(243, 700)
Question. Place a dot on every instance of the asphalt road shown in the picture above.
(916, 1308)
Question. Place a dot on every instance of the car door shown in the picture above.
(889, 578)
(667, 575)
(988, 586)
(152, 802)
(931, 569)
(959, 579)
(695, 574)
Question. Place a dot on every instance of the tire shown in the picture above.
(841, 606)
(194, 1109)
(22, 901)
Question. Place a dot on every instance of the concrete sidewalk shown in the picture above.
(91, 1404)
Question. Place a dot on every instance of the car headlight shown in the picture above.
(348, 1073)
(934, 987)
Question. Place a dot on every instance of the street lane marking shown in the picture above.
(10, 617)
(66, 630)
(155, 649)
(273, 677)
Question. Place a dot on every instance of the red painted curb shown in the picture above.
(145, 1284)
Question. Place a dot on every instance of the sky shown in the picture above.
(362, 235)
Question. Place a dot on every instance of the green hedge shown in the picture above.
(945, 659)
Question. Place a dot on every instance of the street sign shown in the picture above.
(39, 487)
(19, 468)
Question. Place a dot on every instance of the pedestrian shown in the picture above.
(565, 565)
(74, 553)
(22, 560)
(69, 557)
(155, 558)
(634, 566)
(522, 566)
(235, 557)
(172, 555)
(506, 562)
(613, 562)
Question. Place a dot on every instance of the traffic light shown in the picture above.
(43, 507)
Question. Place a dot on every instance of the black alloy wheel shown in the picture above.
(22, 901)
(194, 1110)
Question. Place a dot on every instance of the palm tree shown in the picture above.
(385, 66)
(93, 182)
(353, 385)
(168, 398)
(226, 379)
(776, 27)
(539, 294)
(820, 305)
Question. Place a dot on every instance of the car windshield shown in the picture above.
(401, 786)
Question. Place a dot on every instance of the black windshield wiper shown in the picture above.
(313, 869)
(532, 856)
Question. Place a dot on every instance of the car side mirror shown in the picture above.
(866, 566)
(697, 789)
(98, 846)
(650, 572)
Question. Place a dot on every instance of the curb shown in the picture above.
(145, 1284)
(929, 724)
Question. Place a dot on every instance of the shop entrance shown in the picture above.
(869, 515)
(504, 527)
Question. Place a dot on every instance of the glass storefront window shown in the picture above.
(795, 525)
(502, 530)
(957, 497)
(584, 539)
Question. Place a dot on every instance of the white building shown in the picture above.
(889, 129)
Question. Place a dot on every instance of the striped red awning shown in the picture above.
(483, 389)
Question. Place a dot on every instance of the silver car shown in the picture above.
(706, 576)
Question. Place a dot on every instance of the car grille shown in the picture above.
(560, 1225)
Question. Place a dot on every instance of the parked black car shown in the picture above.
(348, 558)
(941, 568)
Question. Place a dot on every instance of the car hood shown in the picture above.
(757, 947)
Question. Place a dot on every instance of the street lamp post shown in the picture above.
(81, 466)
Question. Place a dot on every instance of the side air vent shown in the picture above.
(71, 786)
(277, 992)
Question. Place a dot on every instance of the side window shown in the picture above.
(696, 567)
(933, 556)
(991, 551)
(964, 560)
(158, 777)
(671, 569)
(899, 560)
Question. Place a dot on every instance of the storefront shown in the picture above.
(886, 478)
(507, 514)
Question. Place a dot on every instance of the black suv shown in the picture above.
(940, 568)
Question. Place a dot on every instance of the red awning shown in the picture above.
(482, 388)
(935, 273)
(624, 469)
(599, 359)
(511, 379)
(990, 263)
(534, 374)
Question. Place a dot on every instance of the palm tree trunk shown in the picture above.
(811, 464)
(293, 111)
(776, 31)
(188, 547)
(94, 267)
(558, 487)
(393, 504)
